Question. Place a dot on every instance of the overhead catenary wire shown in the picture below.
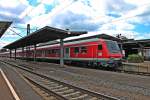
(23, 28)
(15, 32)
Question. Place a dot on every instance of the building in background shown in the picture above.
(141, 47)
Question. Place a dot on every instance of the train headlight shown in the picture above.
(100, 54)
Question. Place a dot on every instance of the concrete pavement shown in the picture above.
(22, 89)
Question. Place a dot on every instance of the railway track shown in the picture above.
(58, 89)
(118, 71)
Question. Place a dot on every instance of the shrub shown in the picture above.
(135, 58)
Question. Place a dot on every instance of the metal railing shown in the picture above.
(136, 68)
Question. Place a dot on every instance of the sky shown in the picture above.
(130, 18)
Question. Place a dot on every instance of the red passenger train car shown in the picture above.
(91, 52)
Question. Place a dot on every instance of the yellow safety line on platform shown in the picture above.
(10, 86)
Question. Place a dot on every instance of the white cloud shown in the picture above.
(137, 2)
(45, 19)
(39, 21)
(39, 10)
(32, 12)
(79, 7)
(7, 13)
(92, 15)
(46, 1)
(26, 11)
(123, 25)
(9, 3)
(142, 36)
(25, 2)
(11, 9)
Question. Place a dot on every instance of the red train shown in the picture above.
(91, 52)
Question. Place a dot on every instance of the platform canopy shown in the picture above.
(4, 25)
(131, 43)
(44, 34)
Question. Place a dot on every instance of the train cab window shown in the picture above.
(99, 47)
(113, 46)
(76, 50)
(83, 50)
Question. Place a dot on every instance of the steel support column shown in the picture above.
(26, 52)
(10, 54)
(15, 54)
(61, 53)
(121, 46)
(23, 52)
(141, 49)
(35, 52)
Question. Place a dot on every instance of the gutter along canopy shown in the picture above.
(4, 25)
(44, 34)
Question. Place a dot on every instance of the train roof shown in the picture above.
(55, 44)
(70, 42)
(102, 36)
(89, 38)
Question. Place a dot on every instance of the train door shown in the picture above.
(43, 53)
(67, 53)
(99, 51)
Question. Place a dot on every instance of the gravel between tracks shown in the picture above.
(124, 86)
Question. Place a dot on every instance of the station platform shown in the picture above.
(5, 92)
(21, 89)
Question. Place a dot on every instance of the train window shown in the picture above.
(49, 51)
(38, 52)
(55, 51)
(76, 50)
(83, 50)
(99, 47)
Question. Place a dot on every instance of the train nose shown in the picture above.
(114, 62)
